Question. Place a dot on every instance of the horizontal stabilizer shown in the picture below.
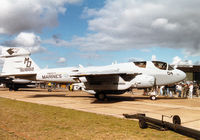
(13, 52)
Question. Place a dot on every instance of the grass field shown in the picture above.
(21, 120)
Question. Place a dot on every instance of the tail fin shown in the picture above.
(17, 61)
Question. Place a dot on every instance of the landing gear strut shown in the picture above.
(154, 94)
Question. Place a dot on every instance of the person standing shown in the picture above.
(179, 89)
(197, 90)
(187, 90)
(161, 90)
(191, 90)
(171, 90)
(184, 89)
(167, 90)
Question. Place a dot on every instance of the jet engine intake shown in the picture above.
(82, 79)
(143, 81)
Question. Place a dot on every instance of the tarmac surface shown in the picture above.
(116, 105)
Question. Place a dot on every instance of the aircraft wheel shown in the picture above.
(10, 89)
(100, 96)
(153, 97)
(142, 124)
(16, 89)
(96, 95)
(49, 90)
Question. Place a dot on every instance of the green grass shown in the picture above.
(21, 120)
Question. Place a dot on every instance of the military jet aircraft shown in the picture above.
(119, 78)
(100, 80)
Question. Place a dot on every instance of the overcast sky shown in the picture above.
(99, 32)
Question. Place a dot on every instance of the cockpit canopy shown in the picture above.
(160, 65)
(141, 64)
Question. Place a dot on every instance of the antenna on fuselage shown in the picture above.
(115, 62)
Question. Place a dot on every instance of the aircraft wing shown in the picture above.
(21, 76)
(106, 80)
(93, 74)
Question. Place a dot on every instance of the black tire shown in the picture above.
(142, 124)
(10, 89)
(100, 96)
(16, 89)
(49, 90)
(176, 119)
(153, 97)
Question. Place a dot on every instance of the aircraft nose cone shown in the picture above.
(182, 75)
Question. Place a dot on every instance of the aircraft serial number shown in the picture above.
(26, 69)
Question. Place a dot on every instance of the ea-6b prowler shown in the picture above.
(100, 80)
(118, 78)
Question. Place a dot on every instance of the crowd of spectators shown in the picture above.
(187, 89)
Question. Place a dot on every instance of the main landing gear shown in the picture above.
(100, 96)
(153, 97)
(154, 94)
(12, 87)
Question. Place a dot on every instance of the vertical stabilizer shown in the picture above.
(17, 61)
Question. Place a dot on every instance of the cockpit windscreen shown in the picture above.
(170, 67)
(141, 64)
(160, 65)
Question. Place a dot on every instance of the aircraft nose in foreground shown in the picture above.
(181, 75)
